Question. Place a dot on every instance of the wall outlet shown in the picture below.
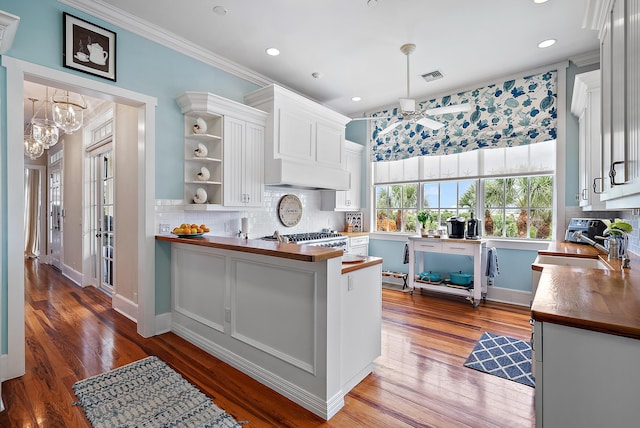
(165, 228)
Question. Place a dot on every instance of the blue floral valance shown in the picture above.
(515, 113)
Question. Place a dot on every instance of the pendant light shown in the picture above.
(32, 147)
(45, 129)
(68, 111)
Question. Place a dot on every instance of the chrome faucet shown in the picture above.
(626, 262)
(580, 237)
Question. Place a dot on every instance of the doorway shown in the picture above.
(141, 212)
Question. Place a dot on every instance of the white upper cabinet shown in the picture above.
(304, 142)
(347, 200)
(585, 106)
(225, 160)
(620, 65)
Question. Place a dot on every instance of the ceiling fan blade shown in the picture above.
(430, 123)
(390, 128)
(453, 108)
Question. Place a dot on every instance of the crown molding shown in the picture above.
(595, 14)
(126, 21)
(8, 27)
(587, 58)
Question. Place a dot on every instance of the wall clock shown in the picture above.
(290, 210)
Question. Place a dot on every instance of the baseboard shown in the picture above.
(163, 323)
(125, 306)
(75, 276)
(507, 295)
(322, 408)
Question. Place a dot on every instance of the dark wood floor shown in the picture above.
(419, 381)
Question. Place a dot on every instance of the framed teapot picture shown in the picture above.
(88, 47)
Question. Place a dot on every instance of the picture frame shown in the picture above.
(88, 47)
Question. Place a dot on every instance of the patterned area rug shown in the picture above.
(503, 356)
(147, 393)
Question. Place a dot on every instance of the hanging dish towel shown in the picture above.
(492, 263)
(405, 256)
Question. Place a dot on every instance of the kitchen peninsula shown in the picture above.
(293, 317)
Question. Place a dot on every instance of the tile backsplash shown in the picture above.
(262, 221)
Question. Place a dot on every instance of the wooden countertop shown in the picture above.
(305, 253)
(606, 300)
(369, 261)
(445, 239)
(354, 234)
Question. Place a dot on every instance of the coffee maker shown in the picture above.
(473, 228)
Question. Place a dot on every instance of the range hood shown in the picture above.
(304, 141)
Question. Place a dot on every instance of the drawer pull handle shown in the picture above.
(457, 248)
(595, 186)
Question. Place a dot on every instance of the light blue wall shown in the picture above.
(142, 66)
(515, 265)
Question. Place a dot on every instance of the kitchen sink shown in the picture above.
(579, 262)
(544, 259)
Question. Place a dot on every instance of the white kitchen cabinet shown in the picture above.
(234, 141)
(586, 106)
(304, 143)
(347, 200)
(620, 65)
(585, 378)
(244, 169)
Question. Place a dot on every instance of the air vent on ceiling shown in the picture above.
(434, 75)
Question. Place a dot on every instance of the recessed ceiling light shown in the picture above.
(539, 1)
(220, 10)
(372, 3)
(547, 43)
(272, 51)
(356, 99)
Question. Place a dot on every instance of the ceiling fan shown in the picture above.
(408, 110)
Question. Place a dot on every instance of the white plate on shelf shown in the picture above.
(353, 258)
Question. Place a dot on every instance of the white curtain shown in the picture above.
(31, 213)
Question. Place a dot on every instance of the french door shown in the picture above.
(102, 211)
(55, 215)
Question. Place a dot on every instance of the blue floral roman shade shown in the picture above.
(515, 113)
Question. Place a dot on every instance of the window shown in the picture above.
(515, 201)
(518, 207)
(396, 207)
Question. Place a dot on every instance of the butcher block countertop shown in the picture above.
(304, 253)
(604, 300)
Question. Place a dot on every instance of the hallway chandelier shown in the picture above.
(68, 111)
(44, 129)
(32, 146)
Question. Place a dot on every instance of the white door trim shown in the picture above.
(17, 72)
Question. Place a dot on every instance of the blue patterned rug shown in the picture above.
(147, 393)
(503, 356)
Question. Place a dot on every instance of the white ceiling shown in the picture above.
(356, 47)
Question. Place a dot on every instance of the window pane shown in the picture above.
(541, 223)
(410, 196)
(395, 221)
(396, 170)
(410, 220)
(468, 192)
(383, 220)
(493, 222)
(449, 166)
(430, 195)
(411, 169)
(494, 193)
(541, 191)
(395, 196)
(517, 223)
(543, 156)
(382, 197)
(468, 163)
(449, 195)
(381, 172)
